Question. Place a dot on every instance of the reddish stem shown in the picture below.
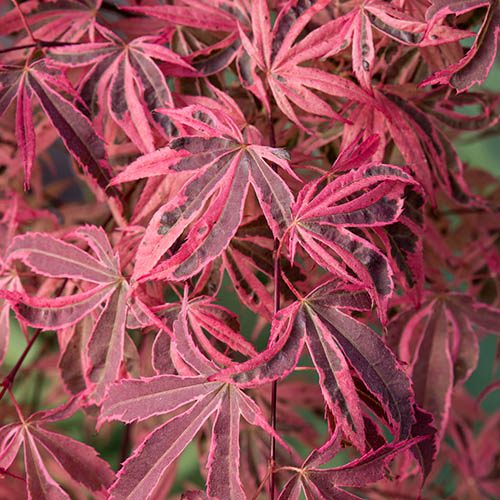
(38, 44)
(8, 381)
(274, 388)
(276, 308)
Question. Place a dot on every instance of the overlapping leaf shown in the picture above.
(138, 399)
(125, 78)
(204, 315)
(192, 21)
(278, 55)
(447, 350)
(55, 258)
(61, 20)
(336, 80)
(324, 222)
(272, 51)
(79, 460)
(473, 455)
(420, 140)
(338, 344)
(474, 67)
(357, 28)
(51, 89)
(248, 257)
(12, 215)
(223, 165)
(317, 482)
(446, 168)
(403, 242)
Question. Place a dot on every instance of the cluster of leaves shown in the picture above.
(166, 165)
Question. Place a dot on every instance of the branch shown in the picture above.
(39, 44)
(8, 381)
(276, 308)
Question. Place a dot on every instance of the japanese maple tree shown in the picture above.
(240, 256)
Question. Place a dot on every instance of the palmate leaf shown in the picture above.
(51, 89)
(447, 349)
(79, 460)
(193, 20)
(370, 196)
(15, 212)
(126, 77)
(203, 315)
(138, 399)
(271, 51)
(359, 28)
(9, 281)
(142, 471)
(418, 137)
(337, 344)
(474, 67)
(406, 29)
(55, 258)
(402, 239)
(317, 482)
(278, 55)
(201, 14)
(58, 312)
(61, 20)
(329, 80)
(224, 165)
(444, 165)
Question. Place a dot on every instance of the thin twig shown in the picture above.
(8, 381)
(276, 308)
(274, 388)
(38, 44)
(264, 481)
(19, 47)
